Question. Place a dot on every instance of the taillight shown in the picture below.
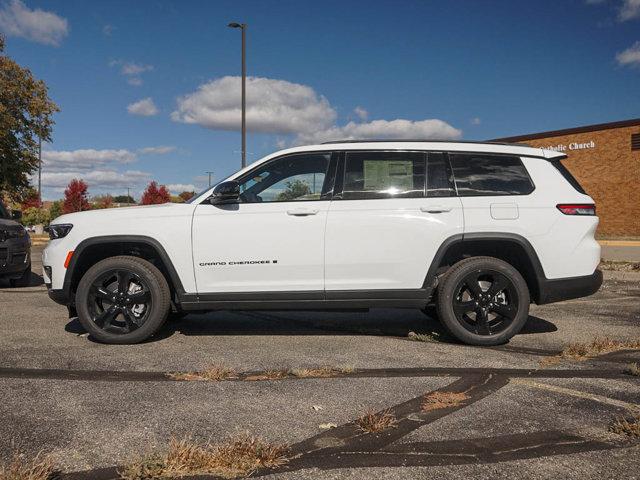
(577, 208)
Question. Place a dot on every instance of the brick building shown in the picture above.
(605, 159)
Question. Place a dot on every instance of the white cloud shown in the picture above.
(273, 106)
(361, 113)
(132, 71)
(144, 107)
(281, 107)
(476, 121)
(177, 188)
(96, 179)
(160, 150)
(629, 10)
(384, 129)
(17, 20)
(630, 56)
(84, 159)
(107, 30)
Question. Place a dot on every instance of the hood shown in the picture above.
(125, 213)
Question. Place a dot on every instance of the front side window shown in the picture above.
(369, 175)
(487, 175)
(291, 178)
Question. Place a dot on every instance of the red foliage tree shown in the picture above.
(186, 196)
(75, 197)
(154, 194)
(30, 200)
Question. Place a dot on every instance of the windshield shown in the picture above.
(4, 213)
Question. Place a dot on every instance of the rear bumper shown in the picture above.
(568, 288)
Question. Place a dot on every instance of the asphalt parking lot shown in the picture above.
(94, 407)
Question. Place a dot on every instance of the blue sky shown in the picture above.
(145, 93)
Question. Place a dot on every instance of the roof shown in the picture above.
(411, 140)
(571, 131)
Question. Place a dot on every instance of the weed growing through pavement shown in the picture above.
(632, 369)
(583, 351)
(41, 467)
(434, 337)
(372, 422)
(439, 400)
(237, 457)
(213, 373)
(626, 426)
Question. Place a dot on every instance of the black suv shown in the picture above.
(15, 249)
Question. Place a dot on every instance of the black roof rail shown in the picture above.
(422, 140)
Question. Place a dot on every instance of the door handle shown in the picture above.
(435, 209)
(302, 212)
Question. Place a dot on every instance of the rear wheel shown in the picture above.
(483, 301)
(122, 300)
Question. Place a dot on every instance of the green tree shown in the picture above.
(295, 189)
(26, 113)
(55, 210)
(35, 216)
(123, 199)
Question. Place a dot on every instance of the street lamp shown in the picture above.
(243, 27)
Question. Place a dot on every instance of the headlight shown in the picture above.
(58, 230)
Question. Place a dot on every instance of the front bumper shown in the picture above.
(561, 289)
(15, 257)
(59, 296)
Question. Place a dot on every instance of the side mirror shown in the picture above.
(16, 215)
(225, 192)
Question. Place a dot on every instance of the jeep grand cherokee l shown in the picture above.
(480, 229)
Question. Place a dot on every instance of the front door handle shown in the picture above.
(302, 212)
(435, 209)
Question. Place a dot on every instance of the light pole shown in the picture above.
(39, 172)
(210, 173)
(243, 27)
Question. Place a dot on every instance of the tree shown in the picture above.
(30, 199)
(25, 115)
(154, 194)
(186, 196)
(103, 201)
(124, 199)
(55, 210)
(295, 189)
(35, 216)
(75, 197)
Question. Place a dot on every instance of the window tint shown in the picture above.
(439, 176)
(370, 175)
(287, 179)
(479, 174)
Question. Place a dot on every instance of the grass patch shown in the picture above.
(214, 373)
(268, 375)
(626, 426)
(440, 400)
(584, 351)
(19, 468)
(322, 372)
(372, 422)
(620, 266)
(238, 457)
(632, 369)
(433, 337)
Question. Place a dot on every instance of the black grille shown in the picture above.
(635, 141)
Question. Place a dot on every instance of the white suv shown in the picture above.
(482, 230)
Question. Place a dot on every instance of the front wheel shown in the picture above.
(122, 300)
(483, 301)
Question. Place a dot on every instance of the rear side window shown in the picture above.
(369, 175)
(486, 175)
(439, 176)
(567, 176)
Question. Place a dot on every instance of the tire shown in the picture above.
(483, 301)
(106, 295)
(23, 281)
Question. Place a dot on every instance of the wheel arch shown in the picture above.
(92, 250)
(510, 247)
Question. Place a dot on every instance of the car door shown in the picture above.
(391, 212)
(272, 240)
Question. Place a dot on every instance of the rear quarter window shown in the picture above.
(487, 175)
(564, 171)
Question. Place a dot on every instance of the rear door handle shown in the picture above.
(435, 209)
(302, 212)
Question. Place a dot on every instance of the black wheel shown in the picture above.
(483, 301)
(122, 300)
(24, 280)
